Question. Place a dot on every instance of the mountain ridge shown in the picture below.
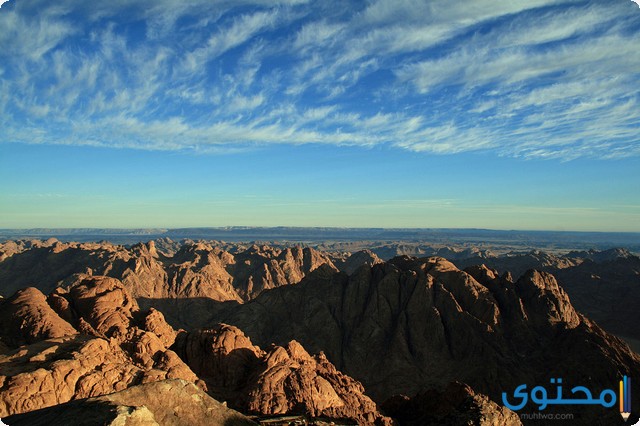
(398, 329)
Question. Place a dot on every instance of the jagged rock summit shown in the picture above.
(603, 285)
(196, 269)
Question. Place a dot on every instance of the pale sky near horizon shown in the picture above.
(383, 113)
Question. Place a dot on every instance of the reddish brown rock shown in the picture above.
(222, 356)
(398, 327)
(55, 371)
(260, 268)
(294, 381)
(59, 302)
(603, 285)
(105, 304)
(154, 322)
(195, 270)
(111, 354)
(544, 301)
(199, 270)
(166, 403)
(280, 381)
(27, 317)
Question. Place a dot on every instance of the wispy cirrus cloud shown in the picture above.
(543, 78)
(242, 29)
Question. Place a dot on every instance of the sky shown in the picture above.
(519, 114)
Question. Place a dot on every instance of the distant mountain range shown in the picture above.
(479, 237)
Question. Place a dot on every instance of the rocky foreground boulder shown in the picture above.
(26, 317)
(104, 345)
(164, 403)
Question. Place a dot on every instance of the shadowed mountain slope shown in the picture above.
(604, 285)
(413, 324)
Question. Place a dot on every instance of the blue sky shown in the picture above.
(386, 113)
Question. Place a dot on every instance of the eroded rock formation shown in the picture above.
(280, 380)
(197, 269)
(98, 348)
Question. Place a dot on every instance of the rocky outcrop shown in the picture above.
(222, 356)
(358, 259)
(457, 404)
(603, 285)
(101, 347)
(262, 268)
(155, 323)
(165, 403)
(9, 248)
(104, 303)
(26, 317)
(545, 302)
(57, 370)
(281, 380)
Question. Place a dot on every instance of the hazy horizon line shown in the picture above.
(315, 227)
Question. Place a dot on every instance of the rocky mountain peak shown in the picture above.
(544, 300)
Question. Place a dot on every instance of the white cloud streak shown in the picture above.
(542, 78)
